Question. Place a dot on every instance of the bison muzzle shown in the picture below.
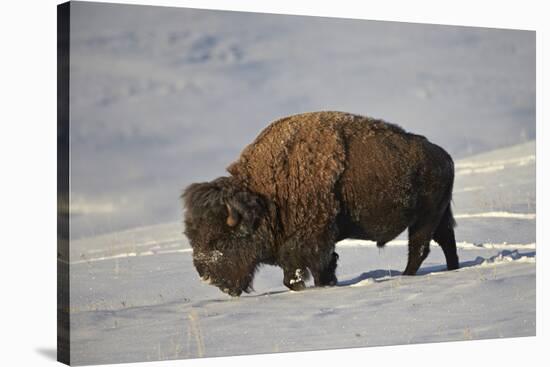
(309, 181)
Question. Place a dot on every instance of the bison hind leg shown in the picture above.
(444, 235)
(439, 228)
(420, 235)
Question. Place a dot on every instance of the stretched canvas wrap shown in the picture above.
(318, 233)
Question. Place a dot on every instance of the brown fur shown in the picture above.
(326, 176)
(296, 161)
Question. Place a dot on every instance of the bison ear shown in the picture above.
(199, 199)
(246, 209)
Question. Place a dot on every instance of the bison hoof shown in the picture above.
(296, 280)
(232, 292)
(297, 285)
(327, 281)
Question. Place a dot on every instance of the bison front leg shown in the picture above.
(295, 278)
(325, 274)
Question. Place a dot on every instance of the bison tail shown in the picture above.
(448, 217)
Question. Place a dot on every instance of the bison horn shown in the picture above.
(232, 216)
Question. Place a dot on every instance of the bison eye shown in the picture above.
(242, 231)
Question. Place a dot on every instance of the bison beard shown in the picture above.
(309, 181)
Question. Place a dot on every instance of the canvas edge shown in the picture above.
(63, 279)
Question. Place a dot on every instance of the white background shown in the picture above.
(28, 202)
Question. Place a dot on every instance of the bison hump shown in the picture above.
(296, 162)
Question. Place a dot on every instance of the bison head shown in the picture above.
(222, 221)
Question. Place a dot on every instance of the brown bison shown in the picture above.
(309, 181)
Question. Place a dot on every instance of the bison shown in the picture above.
(309, 181)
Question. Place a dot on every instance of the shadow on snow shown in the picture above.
(384, 275)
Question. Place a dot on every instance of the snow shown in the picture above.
(498, 215)
(162, 97)
(129, 306)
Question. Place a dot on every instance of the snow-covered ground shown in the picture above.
(162, 97)
(135, 295)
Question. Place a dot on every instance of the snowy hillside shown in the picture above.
(135, 295)
(162, 97)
